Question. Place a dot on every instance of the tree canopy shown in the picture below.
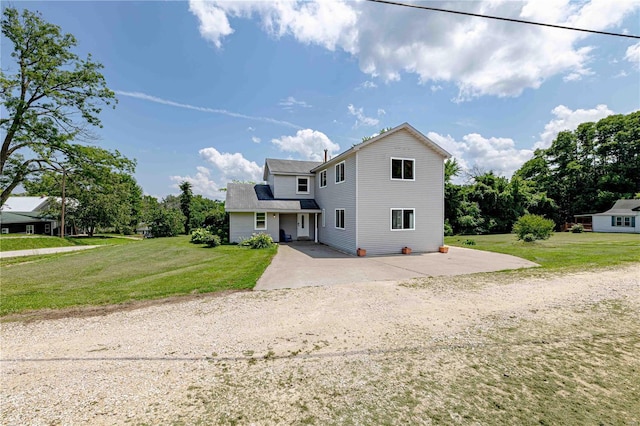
(51, 98)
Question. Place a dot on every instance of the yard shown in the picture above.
(139, 270)
(29, 242)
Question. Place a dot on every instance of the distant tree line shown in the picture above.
(583, 171)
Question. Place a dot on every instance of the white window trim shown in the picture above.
(5, 230)
(344, 217)
(33, 229)
(308, 183)
(320, 179)
(402, 209)
(344, 176)
(623, 220)
(255, 221)
(403, 159)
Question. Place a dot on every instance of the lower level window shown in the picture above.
(340, 218)
(30, 229)
(402, 219)
(261, 221)
(628, 221)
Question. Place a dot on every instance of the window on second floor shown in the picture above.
(261, 221)
(302, 185)
(402, 169)
(323, 179)
(340, 172)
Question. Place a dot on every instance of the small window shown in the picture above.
(5, 230)
(303, 185)
(323, 179)
(340, 172)
(340, 218)
(402, 219)
(47, 228)
(402, 169)
(261, 221)
(30, 229)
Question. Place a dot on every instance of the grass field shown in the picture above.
(24, 242)
(140, 270)
(563, 250)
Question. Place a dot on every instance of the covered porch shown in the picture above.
(298, 226)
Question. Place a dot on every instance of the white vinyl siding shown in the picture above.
(340, 172)
(378, 195)
(242, 226)
(261, 222)
(403, 219)
(339, 219)
(403, 168)
(286, 187)
(302, 185)
(323, 179)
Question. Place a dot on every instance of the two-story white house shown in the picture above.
(381, 195)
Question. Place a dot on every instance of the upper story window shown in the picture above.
(403, 219)
(402, 169)
(302, 185)
(340, 172)
(261, 221)
(323, 179)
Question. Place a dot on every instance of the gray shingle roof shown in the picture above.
(290, 167)
(247, 197)
(7, 218)
(622, 208)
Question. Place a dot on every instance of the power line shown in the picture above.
(499, 18)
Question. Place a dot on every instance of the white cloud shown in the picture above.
(435, 87)
(308, 144)
(381, 112)
(151, 98)
(361, 119)
(633, 55)
(368, 85)
(201, 183)
(291, 102)
(232, 166)
(255, 139)
(475, 150)
(482, 57)
(567, 119)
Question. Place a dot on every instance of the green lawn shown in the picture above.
(564, 250)
(145, 269)
(30, 242)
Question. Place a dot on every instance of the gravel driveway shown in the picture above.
(307, 355)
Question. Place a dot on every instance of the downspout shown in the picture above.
(356, 209)
(315, 235)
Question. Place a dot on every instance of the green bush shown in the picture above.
(259, 241)
(533, 227)
(469, 242)
(212, 240)
(448, 229)
(577, 228)
(200, 235)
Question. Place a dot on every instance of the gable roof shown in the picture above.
(288, 167)
(623, 208)
(247, 197)
(7, 218)
(404, 126)
(24, 204)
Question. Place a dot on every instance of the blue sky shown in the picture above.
(208, 90)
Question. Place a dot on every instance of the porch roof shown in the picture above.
(8, 218)
(246, 197)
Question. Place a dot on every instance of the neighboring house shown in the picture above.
(624, 216)
(25, 215)
(380, 195)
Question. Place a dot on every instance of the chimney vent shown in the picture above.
(325, 155)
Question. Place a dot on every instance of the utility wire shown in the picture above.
(519, 21)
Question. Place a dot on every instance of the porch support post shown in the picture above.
(315, 235)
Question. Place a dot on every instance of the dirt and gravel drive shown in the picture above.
(370, 353)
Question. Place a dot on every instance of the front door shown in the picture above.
(303, 225)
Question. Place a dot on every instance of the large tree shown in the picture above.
(50, 97)
(186, 195)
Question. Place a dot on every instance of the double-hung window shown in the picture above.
(340, 172)
(402, 169)
(30, 229)
(340, 218)
(302, 185)
(261, 221)
(403, 219)
(323, 179)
